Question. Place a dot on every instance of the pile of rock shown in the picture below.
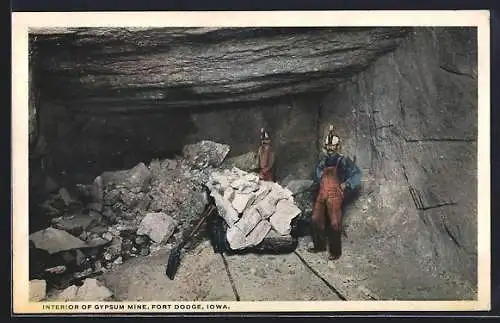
(125, 213)
(251, 207)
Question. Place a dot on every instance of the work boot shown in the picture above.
(334, 245)
(318, 241)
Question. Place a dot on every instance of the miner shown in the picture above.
(265, 158)
(335, 175)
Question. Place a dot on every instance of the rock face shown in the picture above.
(404, 103)
(180, 67)
(411, 121)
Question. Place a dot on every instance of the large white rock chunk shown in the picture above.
(241, 201)
(235, 238)
(286, 210)
(258, 234)
(225, 209)
(248, 221)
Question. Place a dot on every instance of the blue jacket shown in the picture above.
(349, 173)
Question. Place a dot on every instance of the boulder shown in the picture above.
(136, 178)
(54, 240)
(205, 153)
(158, 226)
(75, 224)
(246, 162)
(91, 290)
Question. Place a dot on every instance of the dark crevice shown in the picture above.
(230, 277)
(451, 235)
(452, 71)
(441, 139)
(438, 205)
(384, 126)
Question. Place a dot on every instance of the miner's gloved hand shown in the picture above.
(343, 186)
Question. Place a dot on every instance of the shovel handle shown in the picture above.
(209, 211)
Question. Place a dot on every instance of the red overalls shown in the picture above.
(265, 163)
(328, 208)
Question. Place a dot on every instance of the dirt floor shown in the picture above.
(295, 276)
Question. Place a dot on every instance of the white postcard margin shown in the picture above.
(23, 21)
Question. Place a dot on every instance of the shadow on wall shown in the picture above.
(87, 143)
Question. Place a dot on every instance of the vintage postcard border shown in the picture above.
(21, 22)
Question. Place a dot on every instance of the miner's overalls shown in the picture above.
(327, 209)
(266, 163)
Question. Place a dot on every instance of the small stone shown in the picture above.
(144, 251)
(108, 236)
(118, 261)
(158, 226)
(98, 266)
(84, 235)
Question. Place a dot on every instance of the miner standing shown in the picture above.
(266, 158)
(334, 176)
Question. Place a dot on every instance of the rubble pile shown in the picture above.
(122, 214)
(251, 207)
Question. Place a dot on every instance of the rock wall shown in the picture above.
(411, 121)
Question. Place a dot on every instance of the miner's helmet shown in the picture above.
(332, 141)
(264, 136)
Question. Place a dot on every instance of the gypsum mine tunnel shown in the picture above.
(403, 100)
